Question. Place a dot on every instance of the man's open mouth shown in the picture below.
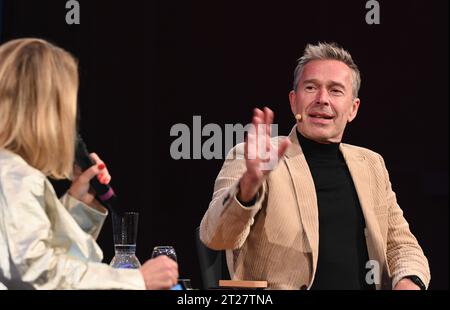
(321, 115)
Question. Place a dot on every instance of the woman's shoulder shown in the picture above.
(16, 175)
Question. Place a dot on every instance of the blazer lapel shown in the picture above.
(307, 199)
(357, 166)
(305, 194)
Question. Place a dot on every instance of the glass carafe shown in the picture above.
(125, 233)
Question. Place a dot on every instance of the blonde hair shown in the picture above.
(328, 51)
(38, 104)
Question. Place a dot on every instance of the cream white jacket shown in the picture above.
(46, 243)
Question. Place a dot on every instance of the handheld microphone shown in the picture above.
(104, 193)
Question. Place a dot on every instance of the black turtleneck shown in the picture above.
(342, 246)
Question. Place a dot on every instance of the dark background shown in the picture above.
(147, 65)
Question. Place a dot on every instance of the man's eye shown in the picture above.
(310, 88)
(336, 91)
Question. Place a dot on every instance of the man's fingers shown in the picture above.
(258, 113)
(252, 146)
(268, 119)
(257, 122)
(259, 134)
(282, 147)
(268, 116)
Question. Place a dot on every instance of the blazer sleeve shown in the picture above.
(39, 258)
(404, 255)
(226, 224)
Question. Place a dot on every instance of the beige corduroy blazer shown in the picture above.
(277, 239)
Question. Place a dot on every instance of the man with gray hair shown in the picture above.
(324, 217)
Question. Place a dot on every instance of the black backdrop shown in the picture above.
(147, 65)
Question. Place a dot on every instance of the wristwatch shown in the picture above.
(416, 280)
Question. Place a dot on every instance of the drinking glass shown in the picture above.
(164, 250)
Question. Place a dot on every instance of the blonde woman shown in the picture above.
(47, 243)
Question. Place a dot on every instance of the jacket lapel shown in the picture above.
(305, 194)
(307, 199)
(357, 166)
(359, 171)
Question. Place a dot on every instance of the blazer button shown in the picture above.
(304, 287)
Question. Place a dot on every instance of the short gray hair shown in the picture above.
(328, 51)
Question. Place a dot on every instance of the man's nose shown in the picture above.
(323, 97)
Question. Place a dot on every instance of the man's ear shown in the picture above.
(354, 110)
(292, 97)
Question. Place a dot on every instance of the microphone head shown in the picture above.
(82, 157)
(298, 117)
